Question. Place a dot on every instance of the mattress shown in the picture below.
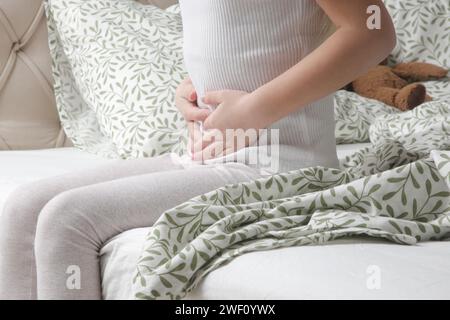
(357, 268)
(347, 269)
(19, 167)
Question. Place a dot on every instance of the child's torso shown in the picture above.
(243, 44)
(259, 38)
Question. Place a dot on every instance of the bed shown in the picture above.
(352, 268)
(355, 268)
(342, 269)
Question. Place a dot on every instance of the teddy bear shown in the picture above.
(398, 86)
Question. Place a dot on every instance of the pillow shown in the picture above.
(116, 65)
(423, 32)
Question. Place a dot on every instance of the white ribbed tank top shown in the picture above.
(243, 44)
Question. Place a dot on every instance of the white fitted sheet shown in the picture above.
(19, 167)
(339, 270)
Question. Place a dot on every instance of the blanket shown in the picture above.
(117, 114)
(398, 189)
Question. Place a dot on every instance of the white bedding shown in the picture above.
(346, 269)
(338, 270)
(19, 167)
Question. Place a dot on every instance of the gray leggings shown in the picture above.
(49, 225)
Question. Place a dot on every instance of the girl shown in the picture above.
(259, 64)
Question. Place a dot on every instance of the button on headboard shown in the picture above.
(28, 116)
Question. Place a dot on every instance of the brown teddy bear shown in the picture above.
(398, 86)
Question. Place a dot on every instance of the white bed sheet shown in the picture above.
(19, 167)
(345, 269)
(338, 270)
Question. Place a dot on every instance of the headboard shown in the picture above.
(28, 116)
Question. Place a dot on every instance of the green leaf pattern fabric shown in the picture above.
(115, 82)
(423, 31)
(355, 114)
(442, 160)
(423, 34)
(116, 66)
(398, 190)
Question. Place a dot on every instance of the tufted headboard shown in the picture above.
(28, 116)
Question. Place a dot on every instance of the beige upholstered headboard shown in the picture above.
(28, 116)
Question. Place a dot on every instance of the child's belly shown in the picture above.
(242, 45)
(245, 70)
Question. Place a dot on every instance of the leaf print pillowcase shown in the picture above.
(116, 66)
(423, 32)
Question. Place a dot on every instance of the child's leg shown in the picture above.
(20, 215)
(73, 227)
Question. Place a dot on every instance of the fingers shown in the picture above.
(190, 110)
(186, 101)
(207, 145)
(215, 143)
(190, 94)
(192, 97)
(185, 89)
(193, 113)
(201, 141)
(194, 134)
(214, 98)
(208, 122)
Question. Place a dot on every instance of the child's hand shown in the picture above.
(231, 126)
(232, 110)
(186, 102)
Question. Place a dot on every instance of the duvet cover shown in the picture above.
(397, 189)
